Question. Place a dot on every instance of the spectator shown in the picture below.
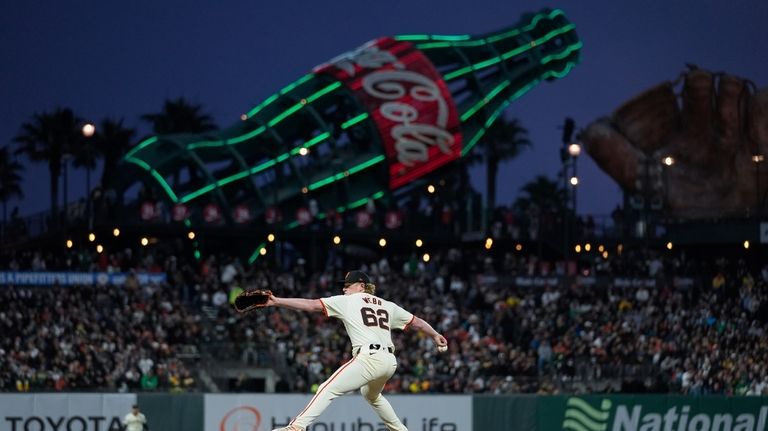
(149, 381)
(698, 326)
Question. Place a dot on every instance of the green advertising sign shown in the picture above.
(652, 413)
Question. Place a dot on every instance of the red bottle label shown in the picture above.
(409, 102)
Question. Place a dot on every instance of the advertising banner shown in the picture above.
(647, 413)
(264, 412)
(64, 412)
(41, 278)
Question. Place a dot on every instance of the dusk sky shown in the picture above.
(123, 59)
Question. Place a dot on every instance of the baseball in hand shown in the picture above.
(442, 348)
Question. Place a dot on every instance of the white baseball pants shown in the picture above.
(368, 371)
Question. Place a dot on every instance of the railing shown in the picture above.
(580, 375)
(453, 222)
(587, 376)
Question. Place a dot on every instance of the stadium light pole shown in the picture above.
(574, 150)
(758, 159)
(567, 159)
(88, 131)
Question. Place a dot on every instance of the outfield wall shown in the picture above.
(263, 412)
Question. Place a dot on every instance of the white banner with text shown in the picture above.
(64, 412)
(264, 412)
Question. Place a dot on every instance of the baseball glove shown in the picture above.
(252, 299)
(698, 151)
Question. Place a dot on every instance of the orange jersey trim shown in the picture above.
(405, 328)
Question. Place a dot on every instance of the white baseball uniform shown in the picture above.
(134, 422)
(369, 321)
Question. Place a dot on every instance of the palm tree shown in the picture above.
(112, 141)
(47, 138)
(504, 141)
(180, 116)
(10, 180)
(85, 156)
(544, 194)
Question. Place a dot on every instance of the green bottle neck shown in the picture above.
(487, 72)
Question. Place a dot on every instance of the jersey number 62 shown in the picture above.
(378, 318)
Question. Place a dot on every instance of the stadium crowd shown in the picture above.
(686, 325)
(85, 337)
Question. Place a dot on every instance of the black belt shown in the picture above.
(375, 347)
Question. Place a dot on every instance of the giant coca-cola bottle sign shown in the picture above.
(409, 102)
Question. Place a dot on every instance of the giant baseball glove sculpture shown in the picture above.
(716, 133)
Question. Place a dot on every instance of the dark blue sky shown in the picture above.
(123, 59)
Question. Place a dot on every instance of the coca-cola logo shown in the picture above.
(411, 138)
(272, 215)
(149, 211)
(242, 214)
(180, 212)
(363, 219)
(303, 216)
(409, 102)
(393, 219)
(211, 213)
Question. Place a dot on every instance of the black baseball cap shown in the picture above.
(354, 277)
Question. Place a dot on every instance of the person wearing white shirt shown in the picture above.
(135, 420)
(369, 321)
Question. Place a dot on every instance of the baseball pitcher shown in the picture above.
(369, 321)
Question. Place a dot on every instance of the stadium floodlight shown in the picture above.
(574, 150)
(88, 129)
